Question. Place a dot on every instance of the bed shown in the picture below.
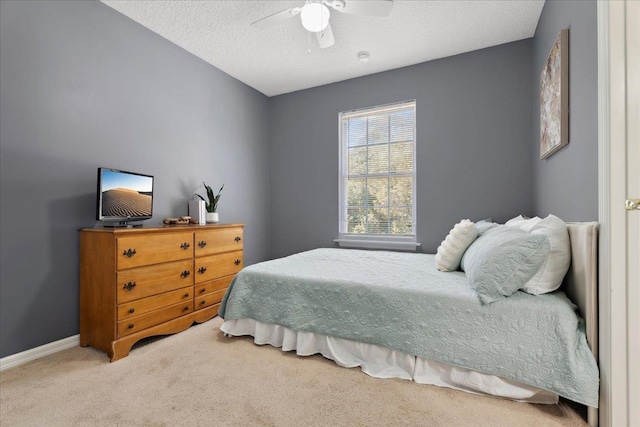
(394, 315)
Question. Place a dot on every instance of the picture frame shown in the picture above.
(554, 98)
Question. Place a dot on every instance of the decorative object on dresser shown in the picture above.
(183, 220)
(212, 203)
(554, 98)
(137, 283)
(212, 217)
(197, 211)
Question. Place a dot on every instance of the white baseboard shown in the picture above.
(38, 352)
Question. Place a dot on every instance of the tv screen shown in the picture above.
(124, 196)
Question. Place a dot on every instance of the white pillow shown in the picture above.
(453, 246)
(550, 275)
(524, 224)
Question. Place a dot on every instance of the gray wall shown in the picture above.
(566, 184)
(473, 145)
(82, 86)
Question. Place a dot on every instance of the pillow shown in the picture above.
(502, 260)
(485, 225)
(552, 271)
(453, 246)
(523, 223)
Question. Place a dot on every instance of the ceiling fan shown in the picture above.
(314, 15)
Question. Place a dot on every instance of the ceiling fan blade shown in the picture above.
(363, 7)
(276, 18)
(325, 37)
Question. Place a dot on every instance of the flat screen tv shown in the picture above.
(123, 197)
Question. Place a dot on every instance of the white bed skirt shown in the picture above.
(381, 362)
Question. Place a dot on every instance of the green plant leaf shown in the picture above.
(212, 204)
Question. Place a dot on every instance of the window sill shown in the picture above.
(377, 244)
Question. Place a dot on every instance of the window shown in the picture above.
(377, 176)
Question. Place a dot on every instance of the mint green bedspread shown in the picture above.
(400, 301)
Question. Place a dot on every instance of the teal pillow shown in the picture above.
(502, 260)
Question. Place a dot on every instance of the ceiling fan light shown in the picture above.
(315, 17)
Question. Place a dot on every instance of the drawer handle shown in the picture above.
(201, 270)
(185, 274)
(203, 302)
(186, 308)
(129, 253)
(202, 243)
(203, 290)
(185, 246)
(131, 325)
(131, 310)
(237, 262)
(129, 285)
(186, 295)
(237, 239)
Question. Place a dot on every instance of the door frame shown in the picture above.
(612, 184)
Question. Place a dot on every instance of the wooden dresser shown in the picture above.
(140, 282)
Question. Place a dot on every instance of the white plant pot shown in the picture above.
(212, 217)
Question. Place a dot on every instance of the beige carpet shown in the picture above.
(201, 378)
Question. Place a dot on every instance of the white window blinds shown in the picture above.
(377, 171)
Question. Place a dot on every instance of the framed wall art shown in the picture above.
(554, 98)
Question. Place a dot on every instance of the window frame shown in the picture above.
(382, 240)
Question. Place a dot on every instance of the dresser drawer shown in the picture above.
(210, 242)
(214, 285)
(138, 323)
(209, 299)
(143, 282)
(216, 266)
(134, 251)
(146, 305)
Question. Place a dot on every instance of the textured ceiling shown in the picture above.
(285, 58)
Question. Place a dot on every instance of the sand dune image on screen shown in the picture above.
(124, 202)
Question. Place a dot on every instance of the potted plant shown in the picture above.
(212, 202)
